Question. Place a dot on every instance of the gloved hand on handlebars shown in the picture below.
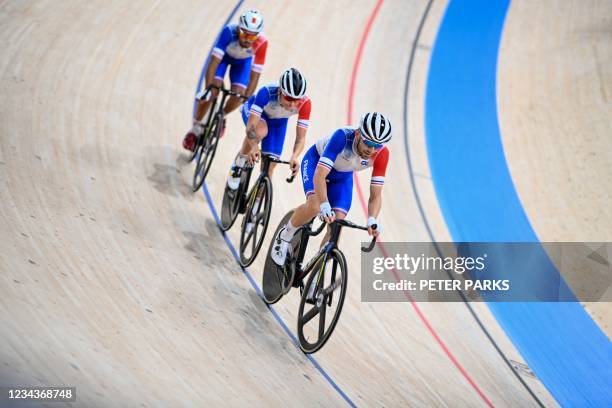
(326, 214)
(374, 227)
(254, 156)
(294, 165)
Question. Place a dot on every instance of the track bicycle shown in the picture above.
(326, 274)
(206, 144)
(256, 205)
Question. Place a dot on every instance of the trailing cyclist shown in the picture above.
(242, 48)
(327, 177)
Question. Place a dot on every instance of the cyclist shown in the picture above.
(266, 115)
(327, 176)
(242, 48)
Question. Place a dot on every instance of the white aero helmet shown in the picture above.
(251, 21)
(375, 127)
(293, 83)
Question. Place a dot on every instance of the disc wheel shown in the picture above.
(233, 200)
(276, 281)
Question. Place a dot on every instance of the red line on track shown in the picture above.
(415, 306)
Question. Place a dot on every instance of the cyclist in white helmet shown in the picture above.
(327, 177)
(241, 47)
(266, 115)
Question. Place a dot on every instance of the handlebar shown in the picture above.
(222, 90)
(347, 223)
(274, 159)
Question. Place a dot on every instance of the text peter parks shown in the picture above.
(493, 272)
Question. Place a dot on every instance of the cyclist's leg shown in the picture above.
(340, 195)
(274, 140)
(307, 211)
(197, 129)
(239, 76)
(302, 214)
(261, 129)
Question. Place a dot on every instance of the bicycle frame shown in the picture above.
(225, 93)
(265, 170)
(323, 252)
(301, 273)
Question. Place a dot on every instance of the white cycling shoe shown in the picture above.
(280, 249)
(233, 180)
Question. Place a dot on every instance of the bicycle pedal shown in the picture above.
(243, 208)
(298, 283)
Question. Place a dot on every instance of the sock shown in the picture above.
(240, 160)
(288, 232)
(197, 129)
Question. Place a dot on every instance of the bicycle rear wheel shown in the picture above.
(326, 284)
(233, 200)
(194, 154)
(276, 281)
(207, 149)
(255, 221)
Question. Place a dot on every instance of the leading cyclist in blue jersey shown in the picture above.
(327, 177)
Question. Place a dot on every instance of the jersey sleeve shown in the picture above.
(225, 38)
(304, 114)
(335, 145)
(380, 167)
(260, 56)
(261, 99)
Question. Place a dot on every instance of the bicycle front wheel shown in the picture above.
(207, 149)
(255, 221)
(322, 301)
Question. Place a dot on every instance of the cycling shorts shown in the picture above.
(240, 70)
(339, 184)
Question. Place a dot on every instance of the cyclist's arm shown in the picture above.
(261, 99)
(375, 201)
(379, 170)
(300, 141)
(250, 129)
(213, 64)
(217, 53)
(253, 81)
(258, 62)
(326, 163)
(298, 146)
(300, 131)
(320, 185)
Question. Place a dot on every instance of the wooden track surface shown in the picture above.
(114, 277)
(555, 105)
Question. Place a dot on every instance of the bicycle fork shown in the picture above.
(320, 280)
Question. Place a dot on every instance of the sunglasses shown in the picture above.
(290, 99)
(246, 35)
(371, 144)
